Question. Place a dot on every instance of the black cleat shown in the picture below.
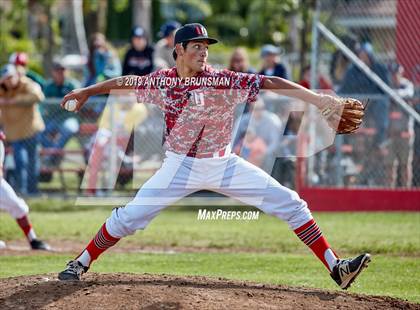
(73, 272)
(40, 245)
(347, 270)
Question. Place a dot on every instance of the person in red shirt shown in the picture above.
(198, 104)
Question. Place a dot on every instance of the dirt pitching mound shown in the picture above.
(133, 291)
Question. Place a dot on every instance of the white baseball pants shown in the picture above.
(9, 201)
(230, 175)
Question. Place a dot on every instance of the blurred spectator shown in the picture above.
(128, 116)
(373, 172)
(239, 61)
(61, 125)
(267, 126)
(149, 135)
(20, 60)
(339, 62)
(139, 58)
(163, 58)
(103, 62)
(252, 148)
(403, 86)
(272, 66)
(358, 83)
(284, 165)
(22, 123)
(323, 83)
(397, 161)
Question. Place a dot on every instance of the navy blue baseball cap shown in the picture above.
(168, 27)
(190, 32)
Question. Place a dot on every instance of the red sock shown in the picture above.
(100, 243)
(25, 225)
(311, 235)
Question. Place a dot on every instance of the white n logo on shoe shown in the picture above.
(344, 270)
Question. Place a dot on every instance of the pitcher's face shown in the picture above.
(195, 55)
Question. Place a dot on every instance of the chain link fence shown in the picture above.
(94, 151)
(363, 50)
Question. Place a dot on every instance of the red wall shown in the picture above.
(408, 36)
(333, 199)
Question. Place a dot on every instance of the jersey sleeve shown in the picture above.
(147, 89)
(247, 84)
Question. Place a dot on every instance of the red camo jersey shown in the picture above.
(198, 111)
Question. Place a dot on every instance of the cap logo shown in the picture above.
(201, 30)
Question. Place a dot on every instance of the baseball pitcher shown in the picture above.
(198, 156)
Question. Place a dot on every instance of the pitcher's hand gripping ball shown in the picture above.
(70, 105)
(343, 115)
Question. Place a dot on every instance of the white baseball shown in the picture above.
(70, 105)
(2, 244)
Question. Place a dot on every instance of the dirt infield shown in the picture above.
(21, 247)
(133, 291)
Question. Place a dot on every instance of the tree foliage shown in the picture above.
(236, 22)
(23, 30)
(186, 11)
(13, 29)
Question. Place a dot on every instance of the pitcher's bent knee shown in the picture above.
(286, 204)
(127, 220)
(300, 215)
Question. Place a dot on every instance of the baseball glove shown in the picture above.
(343, 115)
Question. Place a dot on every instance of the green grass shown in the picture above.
(397, 277)
(349, 233)
(274, 254)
